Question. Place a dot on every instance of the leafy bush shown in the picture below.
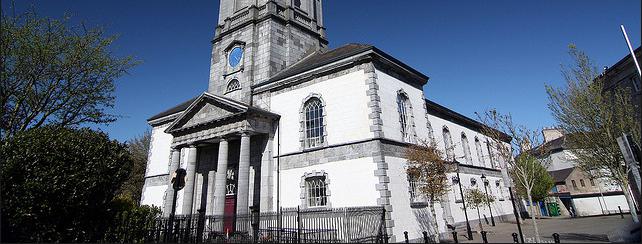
(58, 184)
(131, 223)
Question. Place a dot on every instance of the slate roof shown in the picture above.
(178, 108)
(561, 175)
(321, 58)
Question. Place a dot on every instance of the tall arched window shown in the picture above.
(448, 143)
(316, 191)
(466, 147)
(480, 155)
(490, 154)
(404, 109)
(313, 123)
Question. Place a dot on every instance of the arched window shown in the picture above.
(466, 147)
(316, 191)
(490, 154)
(448, 143)
(404, 109)
(313, 123)
(480, 155)
(233, 85)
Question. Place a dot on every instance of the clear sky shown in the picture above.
(478, 54)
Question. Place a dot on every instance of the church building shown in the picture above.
(287, 122)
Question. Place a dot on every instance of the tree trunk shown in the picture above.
(435, 234)
(481, 226)
(530, 200)
(627, 194)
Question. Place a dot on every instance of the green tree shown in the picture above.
(139, 149)
(593, 119)
(476, 199)
(131, 223)
(515, 157)
(427, 168)
(58, 184)
(55, 73)
(543, 184)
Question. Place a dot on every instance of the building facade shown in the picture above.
(288, 123)
(575, 193)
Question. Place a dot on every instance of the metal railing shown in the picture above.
(292, 225)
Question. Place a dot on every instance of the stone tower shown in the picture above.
(256, 39)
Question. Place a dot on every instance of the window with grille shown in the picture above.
(592, 182)
(582, 183)
(448, 143)
(574, 184)
(500, 189)
(314, 129)
(233, 85)
(316, 191)
(403, 107)
(415, 185)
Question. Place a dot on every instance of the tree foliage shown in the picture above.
(55, 74)
(543, 181)
(592, 118)
(516, 154)
(131, 223)
(427, 167)
(476, 199)
(139, 149)
(58, 184)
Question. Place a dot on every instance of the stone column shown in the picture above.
(266, 176)
(220, 179)
(169, 197)
(244, 176)
(190, 179)
(209, 206)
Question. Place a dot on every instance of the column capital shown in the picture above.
(245, 133)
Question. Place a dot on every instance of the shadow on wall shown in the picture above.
(423, 218)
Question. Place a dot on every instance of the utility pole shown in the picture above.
(492, 219)
(463, 201)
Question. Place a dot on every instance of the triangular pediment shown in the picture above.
(205, 109)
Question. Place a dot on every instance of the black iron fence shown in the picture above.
(293, 225)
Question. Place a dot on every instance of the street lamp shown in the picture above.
(463, 201)
(492, 219)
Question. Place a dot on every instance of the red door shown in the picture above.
(229, 213)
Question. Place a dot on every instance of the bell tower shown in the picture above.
(255, 39)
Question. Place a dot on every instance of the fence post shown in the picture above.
(298, 224)
(200, 225)
(425, 237)
(405, 236)
(556, 237)
(483, 234)
(455, 237)
(621, 214)
(515, 240)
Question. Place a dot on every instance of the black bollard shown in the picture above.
(405, 235)
(515, 240)
(455, 236)
(556, 237)
(425, 237)
(621, 214)
(483, 234)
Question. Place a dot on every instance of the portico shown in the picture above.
(225, 147)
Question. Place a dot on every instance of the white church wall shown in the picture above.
(352, 183)
(588, 206)
(346, 108)
(153, 196)
(159, 155)
(388, 88)
(456, 130)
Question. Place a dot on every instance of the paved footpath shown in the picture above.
(571, 230)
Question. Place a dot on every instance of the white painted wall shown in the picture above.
(352, 183)
(346, 108)
(153, 196)
(388, 88)
(591, 205)
(159, 152)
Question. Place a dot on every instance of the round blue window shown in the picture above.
(235, 56)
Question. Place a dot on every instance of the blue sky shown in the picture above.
(478, 54)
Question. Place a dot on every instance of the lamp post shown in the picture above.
(492, 219)
(463, 201)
